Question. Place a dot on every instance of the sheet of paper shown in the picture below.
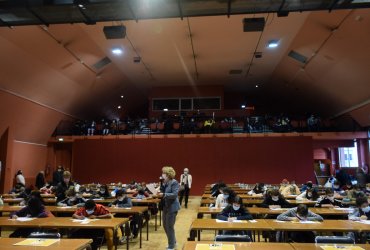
(278, 208)
(24, 219)
(336, 247)
(66, 207)
(252, 221)
(37, 242)
(221, 221)
(84, 221)
(367, 222)
(343, 208)
(152, 188)
(280, 221)
(306, 222)
(215, 246)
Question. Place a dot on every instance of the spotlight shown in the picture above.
(117, 51)
(273, 44)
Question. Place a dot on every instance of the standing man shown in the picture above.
(171, 205)
(185, 181)
(58, 176)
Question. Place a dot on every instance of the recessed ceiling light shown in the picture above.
(117, 51)
(60, 139)
(243, 106)
(80, 5)
(165, 110)
(122, 96)
(273, 44)
(257, 85)
(119, 107)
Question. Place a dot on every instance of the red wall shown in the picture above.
(233, 160)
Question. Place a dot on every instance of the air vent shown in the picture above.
(295, 55)
(258, 54)
(235, 71)
(102, 63)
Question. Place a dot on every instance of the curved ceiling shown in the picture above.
(55, 65)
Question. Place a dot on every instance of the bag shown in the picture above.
(181, 188)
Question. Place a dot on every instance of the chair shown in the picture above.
(334, 240)
(232, 238)
(45, 235)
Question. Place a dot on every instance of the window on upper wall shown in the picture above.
(348, 157)
(169, 104)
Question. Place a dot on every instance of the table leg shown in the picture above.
(141, 229)
(198, 232)
(156, 219)
(160, 217)
(147, 227)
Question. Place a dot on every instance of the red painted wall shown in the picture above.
(233, 160)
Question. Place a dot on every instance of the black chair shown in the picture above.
(45, 235)
(232, 238)
(334, 240)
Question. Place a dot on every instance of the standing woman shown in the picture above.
(40, 180)
(171, 205)
(19, 178)
(185, 181)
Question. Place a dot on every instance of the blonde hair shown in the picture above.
(66, 174)
(169, 171)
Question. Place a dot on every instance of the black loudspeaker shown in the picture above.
(253, 24)
(114, 32)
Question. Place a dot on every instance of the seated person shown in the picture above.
(361, 212)
(291, 189)
(46, 189)
(235, 211)
(118, 187)
(275, 200)
(348, 186)
(310, 194)
(354, 193)
(72, 199)
(336, 188)
(300, 213)
(328, 200)
(259, 189)
(283, 185)
(307, 185)
(88, 191)
(102, 192)
(367, 190)
(216, 188)
(19, 191)
(140, 194)
(224, 198)
(34, 209)
(121, 200)
(94, 211)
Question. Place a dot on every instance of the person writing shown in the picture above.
(171, 204)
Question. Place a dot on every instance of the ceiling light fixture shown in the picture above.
(117, 51)
(273, 44)
(165, 110)
(243, 106)
(60, 139)
(122, 96)
(119, 107)
(257, 85)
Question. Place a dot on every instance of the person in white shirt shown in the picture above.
(185, 181)
(19, 178)
(224, 198)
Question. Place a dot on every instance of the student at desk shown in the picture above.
(224, 198)
(259, 188)
(94, 211)
(72, 199)
(361, 212)
(310, 194)
(275, 200)
(34, 209)
(125, 202)
(102, 192)
(297, 214)
(328, 200)
(235, 211)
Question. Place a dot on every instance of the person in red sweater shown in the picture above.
(94, 211)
